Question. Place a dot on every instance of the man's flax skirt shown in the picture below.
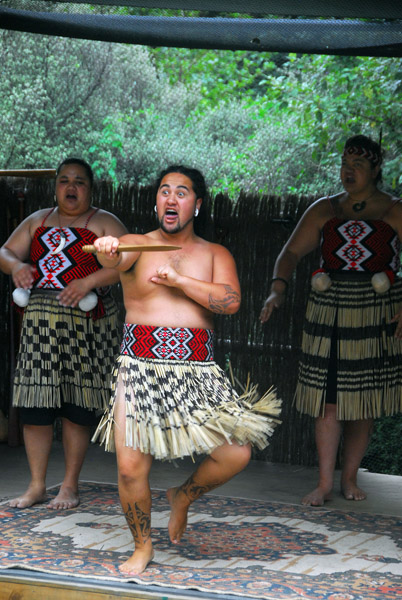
(178, 401)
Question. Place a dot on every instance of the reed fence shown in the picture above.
(254, 229)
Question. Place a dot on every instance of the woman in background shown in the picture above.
(351, 365)
(66, 352)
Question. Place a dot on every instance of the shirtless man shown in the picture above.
(176, 293)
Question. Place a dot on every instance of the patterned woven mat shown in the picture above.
(233, 546)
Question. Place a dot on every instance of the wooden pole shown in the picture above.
(31, 173)
(135, 248)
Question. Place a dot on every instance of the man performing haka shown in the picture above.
(170, 399)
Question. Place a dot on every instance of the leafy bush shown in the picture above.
(384, 454)
(261, 122)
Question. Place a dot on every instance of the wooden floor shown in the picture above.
(21, 586)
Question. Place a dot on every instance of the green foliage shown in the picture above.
(335, 97)
(384, 454)
(261, 122)
(108, 142)
(215, 73)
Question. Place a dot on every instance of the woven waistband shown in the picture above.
(350, 275)
(50, 293)
(167, 343)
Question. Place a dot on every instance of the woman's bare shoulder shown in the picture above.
(35, 219)
(326, 202)
(322, 209)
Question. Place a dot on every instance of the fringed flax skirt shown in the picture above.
(65, 355)
(367, 372)
(178, 401)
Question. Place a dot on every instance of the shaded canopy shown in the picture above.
(359, 28)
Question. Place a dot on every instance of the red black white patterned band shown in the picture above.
(373, 157)
(167, 343)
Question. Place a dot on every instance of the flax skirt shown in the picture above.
(65, 355)
(177, 408)
(365, 378)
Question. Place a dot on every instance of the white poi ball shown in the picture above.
(380, 282)
(321, 282)
(88, 302)
(21, 297)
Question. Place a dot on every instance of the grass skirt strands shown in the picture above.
(64, 355)
(181, 407)
(353, 316)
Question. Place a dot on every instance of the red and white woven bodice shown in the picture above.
(356, 245)
(56, 271)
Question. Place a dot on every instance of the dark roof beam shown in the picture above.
(363, 9)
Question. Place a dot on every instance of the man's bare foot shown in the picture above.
(33, 495)
(317, 497)
(66, 498)
(352, 492)
(179, 505)
(138, 562)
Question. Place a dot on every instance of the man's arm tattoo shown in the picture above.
(139, 523)
(220, 306)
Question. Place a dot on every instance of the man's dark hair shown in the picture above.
(77, 161)
(197, 178)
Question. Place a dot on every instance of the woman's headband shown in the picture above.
(372, 156)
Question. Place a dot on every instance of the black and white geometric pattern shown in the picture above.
(64, 355)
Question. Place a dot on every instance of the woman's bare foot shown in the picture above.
(317, 497)
(352, 492)
(66, 498)
(179, 505)
(33, 495)
(138, 562)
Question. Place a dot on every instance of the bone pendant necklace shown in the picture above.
(62, 235)
(359, 206)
